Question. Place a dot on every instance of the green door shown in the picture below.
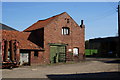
(57, 54)
(53, 54)
(62, 54)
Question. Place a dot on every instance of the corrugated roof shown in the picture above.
(42, 23)
(22, 37)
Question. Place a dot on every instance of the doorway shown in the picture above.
(24, 58)
(57, 53)
(75, 51)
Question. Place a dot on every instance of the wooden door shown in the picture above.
(57, 54)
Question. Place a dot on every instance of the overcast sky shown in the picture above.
(100, 18)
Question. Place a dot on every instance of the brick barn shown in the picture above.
(56, 39)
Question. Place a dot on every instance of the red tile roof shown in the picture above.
(42, 23)
(21, 37)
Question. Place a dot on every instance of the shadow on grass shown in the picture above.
(86, 76)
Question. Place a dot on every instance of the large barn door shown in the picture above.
(57, 54)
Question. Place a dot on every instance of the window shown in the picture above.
(65, 31)
(68, 21)
(36, 54)
(75, 51)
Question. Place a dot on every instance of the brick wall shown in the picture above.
(36, 60)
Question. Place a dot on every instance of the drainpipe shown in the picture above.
(6, 50)
(11, 51)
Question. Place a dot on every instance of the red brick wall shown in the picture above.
(53, 34)
(34, 60)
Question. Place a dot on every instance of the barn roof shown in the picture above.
(21, 37)
(42, 23)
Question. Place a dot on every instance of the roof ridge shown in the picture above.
(48, 19)
(53, 16)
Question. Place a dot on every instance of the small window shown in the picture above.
(68, 21)
(75, 51)
(36, 54)
(65, 31)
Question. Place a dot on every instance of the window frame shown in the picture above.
(74, 53)
(65, 30)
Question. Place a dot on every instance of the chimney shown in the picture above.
(81, 22)
(82, 25)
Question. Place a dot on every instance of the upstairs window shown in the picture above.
(68, 21)
(65, 31)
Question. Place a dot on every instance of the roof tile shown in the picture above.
(21, 37)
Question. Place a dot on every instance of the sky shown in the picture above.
(59, 0)
(100, 18)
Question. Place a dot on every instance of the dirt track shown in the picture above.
(91, 67)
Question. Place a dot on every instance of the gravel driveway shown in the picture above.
(89, 68)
